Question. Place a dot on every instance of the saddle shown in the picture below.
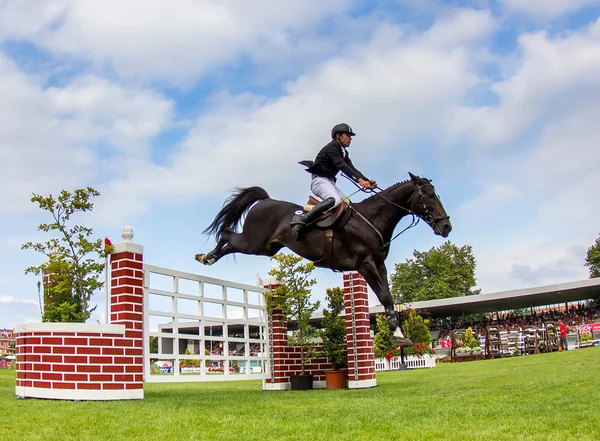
(330, 218)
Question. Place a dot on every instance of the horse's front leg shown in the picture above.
(376, 276)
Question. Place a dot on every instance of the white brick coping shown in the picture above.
(362, 384)
(83, 395)
(128, 247)
(71, 328)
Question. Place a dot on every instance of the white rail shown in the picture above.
(202, 334)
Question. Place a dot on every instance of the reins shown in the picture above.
(414, 215)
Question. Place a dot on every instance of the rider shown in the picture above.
(332, 159)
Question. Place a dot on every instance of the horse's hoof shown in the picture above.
(399, 339)
(204, 259)
(402, 341)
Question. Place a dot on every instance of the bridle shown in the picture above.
(426, 216)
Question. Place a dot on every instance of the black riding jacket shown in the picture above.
(332, 159)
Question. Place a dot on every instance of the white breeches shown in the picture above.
(324, 188)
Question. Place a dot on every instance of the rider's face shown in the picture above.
(345, 139)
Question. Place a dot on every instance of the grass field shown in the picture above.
(543, 397)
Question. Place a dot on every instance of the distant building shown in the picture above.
(7, 342)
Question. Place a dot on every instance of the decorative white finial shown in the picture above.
(127, 234)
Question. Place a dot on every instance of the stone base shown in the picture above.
(79, 394)
(287, 386)
(362, 384)
(276, 386)
(319, 384)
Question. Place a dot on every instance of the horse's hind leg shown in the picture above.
(232, 242)
(213, 255)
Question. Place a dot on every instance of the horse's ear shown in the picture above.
(413, 177)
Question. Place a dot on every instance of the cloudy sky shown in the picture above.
(165, 106)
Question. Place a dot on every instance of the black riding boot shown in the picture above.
(299, 222)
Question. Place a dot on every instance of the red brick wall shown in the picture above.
(89, 361)
(126, 300)
(285, 360)
(364, 375)
(73, 356)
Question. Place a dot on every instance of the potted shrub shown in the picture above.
(292, 297)
(585, 340)
(334, 339)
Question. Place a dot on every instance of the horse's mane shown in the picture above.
(406, 181)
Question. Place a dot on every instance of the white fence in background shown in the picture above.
(411, 362)
(199, 328)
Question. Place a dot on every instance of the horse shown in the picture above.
(362, 244)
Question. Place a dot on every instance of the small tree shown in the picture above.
(469, 341)
(292, 297)
(415, 328)
(72, 258)
(334, 330)
(592, 260)
(153, 345)
(382, 341)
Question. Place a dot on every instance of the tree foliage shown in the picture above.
(72, 257)
(592, 260)
(292, 297)
(442, 272)
(416, 329)
(334, 329)
(469, 340)
(382, 342)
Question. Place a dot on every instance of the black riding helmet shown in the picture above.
(341, 128)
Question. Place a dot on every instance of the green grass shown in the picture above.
(543, 397)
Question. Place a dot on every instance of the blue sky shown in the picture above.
(164, 107)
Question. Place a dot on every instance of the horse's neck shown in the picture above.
(383, 209)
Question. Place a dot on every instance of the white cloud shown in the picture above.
(11, 299)
(545, 138)
(59, 137)
(165, 40)
(546, 78)
(529, 162)
(395, 83)
(544, 9)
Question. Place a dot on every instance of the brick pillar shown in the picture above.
(361, 357)
(278, 375)
(126, 301)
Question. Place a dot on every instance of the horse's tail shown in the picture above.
(234, 208)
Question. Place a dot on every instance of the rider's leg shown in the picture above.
(326, 190)
(300, 222)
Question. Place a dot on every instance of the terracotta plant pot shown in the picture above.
(301, 382)
(336, 379)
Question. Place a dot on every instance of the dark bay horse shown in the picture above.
(362, 244)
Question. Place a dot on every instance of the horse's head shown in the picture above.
(426, 204)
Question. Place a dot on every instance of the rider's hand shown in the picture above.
(365, 184)
(373, 183)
